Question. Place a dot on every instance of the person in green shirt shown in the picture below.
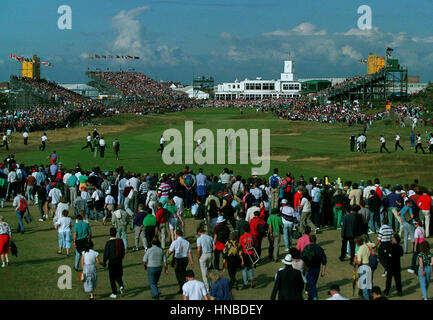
(149, 227)
(82, 236)
(275, 226)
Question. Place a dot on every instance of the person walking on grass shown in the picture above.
(153, 261)
(182, 253)
(419, 237)
(161, 144)
(114, 252)
(102, 147)
(116, 148)
(205, 245)
(419, 143)
(397, 142)
(20, 205)
(193, 289)
(247, 243)
(138, 232)
(64, 227)
(89, 258)
(383, 144)
(315, 260)
(88, 143)
(82, 236)
(5, 241)
(384, 244)
(120, 221)
(275, 228)
(221, 288)
(149, 228)
(233, 259)
(394, 268)
(43, 142)
(425, 260)
(288, 282)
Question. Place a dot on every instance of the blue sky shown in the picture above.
(226, 39)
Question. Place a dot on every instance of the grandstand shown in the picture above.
(381, 85)
(133, 86)
(30, 92)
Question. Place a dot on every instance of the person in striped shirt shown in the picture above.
(164, 191)
(384, 239)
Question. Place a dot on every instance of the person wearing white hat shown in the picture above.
(221, 236)
(288, 283)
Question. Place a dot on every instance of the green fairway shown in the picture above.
(311, 149)
(307, 148)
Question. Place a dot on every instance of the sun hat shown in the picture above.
(220, 219)
(287, 260)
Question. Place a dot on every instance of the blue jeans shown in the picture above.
(153, 274)
(409, 230)
(249, 270)
(65, 239)
(98, 213)
(287, 231)
(77, 259)
(366, 293)
(20, 222)
(424, 280)
(371, 222)
(312, 277)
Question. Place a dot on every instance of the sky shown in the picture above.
(226, 39)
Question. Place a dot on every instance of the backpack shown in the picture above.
(223, 234)
(287, 185)
(274, 182)
(372, 260)
(23, 205)
(308, 256)
(187, 180)
(262, 230)
(379, 192)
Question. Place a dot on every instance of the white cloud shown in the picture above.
(129, 40)
(304, 29)
(423, 40)
(225, 35)
(351, 52)
(128, 28)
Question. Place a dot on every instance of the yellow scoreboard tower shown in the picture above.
(32, 69)
(375, 64)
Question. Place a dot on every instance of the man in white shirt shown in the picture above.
(20, 215)
(335, 293)
(26, 137)
(5, 141)
(419, 144)
(194, 289)
(182, 253)
(88, 142)
(101, 147)
(383, 144)
(55, 194)
(397, 142)
(161, 144)
(43, 142)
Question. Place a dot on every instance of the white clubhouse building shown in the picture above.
(287, 86)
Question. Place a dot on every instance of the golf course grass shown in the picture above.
(310, 149)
